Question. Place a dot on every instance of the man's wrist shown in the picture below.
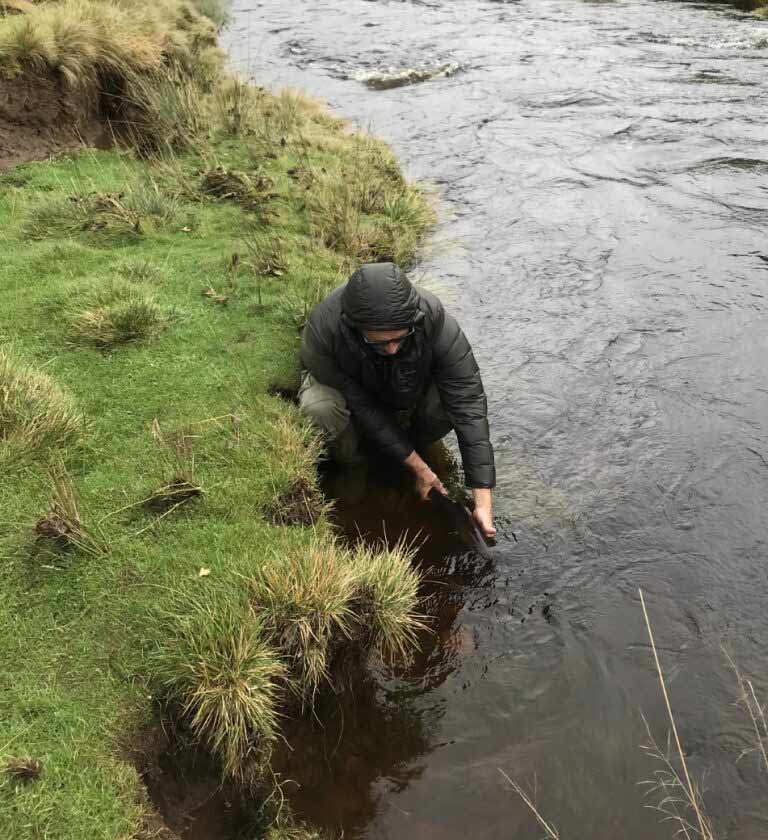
(482, 497)
(417, 465)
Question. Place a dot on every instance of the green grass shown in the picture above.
(155, 508)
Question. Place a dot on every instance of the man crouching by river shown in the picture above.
(385, 361)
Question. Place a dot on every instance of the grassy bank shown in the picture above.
(164, 545)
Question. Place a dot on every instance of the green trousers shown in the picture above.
(327, 409)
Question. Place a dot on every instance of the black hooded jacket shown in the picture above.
(378, 296)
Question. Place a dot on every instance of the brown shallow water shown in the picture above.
(603, 242)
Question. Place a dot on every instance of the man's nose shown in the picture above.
(392, 347)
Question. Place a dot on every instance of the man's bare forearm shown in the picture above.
(482, 497)
(426, 479)
(416, 464)
(483, 513)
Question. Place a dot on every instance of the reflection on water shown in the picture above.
(603, 170)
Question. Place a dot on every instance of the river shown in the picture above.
(602, 174)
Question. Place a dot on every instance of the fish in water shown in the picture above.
(462, 520)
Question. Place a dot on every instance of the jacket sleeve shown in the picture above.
(317, 356)
(461, 391)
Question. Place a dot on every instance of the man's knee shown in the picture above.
(325, 407)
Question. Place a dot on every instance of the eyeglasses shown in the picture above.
(380, 344)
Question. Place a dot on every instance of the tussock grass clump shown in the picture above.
(251, 192)
(23, 769)
(165, 112)
(365, 209)
(216, 665)
(292, 119)
(236, 106)
(325, 600)
(306, 599)
(63, 525)
(300, 504)
(141, 272)
(177, 458)
(149, 201)
(117, 313)
(267, 257)
(297, 498)
(113, 218)
(307, 290)
(35, 413)
(106, 215)
(87, 42)
(388, 588)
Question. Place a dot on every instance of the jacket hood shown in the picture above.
(378, 296)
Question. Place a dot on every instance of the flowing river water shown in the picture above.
(603, 170)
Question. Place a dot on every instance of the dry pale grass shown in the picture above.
(678, 797)
(23, 769)
(63, 524)
(87, 42)
(530, 801)
(322, 598)
(35, 414)
(387, 585)
(15, 7)
(306, 599)
(236, 106)
(748, 700)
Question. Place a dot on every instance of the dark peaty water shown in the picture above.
(603, 243)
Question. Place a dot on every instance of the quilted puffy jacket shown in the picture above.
(378, 296)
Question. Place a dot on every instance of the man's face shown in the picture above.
(386, 342)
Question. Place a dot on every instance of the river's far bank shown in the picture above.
(166, 550)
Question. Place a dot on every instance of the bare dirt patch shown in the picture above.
(40, 116)
(24, 770)
(172, 495)
(186, 798)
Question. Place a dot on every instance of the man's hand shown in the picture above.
(425, 477)
(483, 512)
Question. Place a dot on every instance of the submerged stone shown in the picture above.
(399, 77)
